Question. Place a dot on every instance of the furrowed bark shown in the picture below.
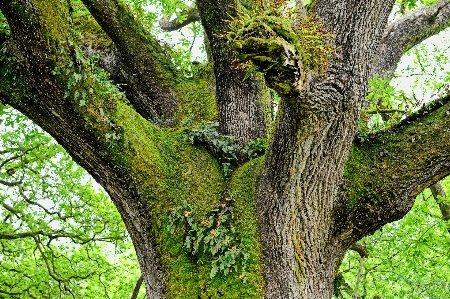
(315, 130)
(385, 175)
(239, 100)
(39, 49)
(146, 72)
(410, 30)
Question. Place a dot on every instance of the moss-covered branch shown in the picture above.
(412, 29)
(386, 173)
(146, 170)
(146, 70)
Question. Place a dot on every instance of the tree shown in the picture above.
(280, 223)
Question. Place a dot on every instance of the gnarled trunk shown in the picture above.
(297, 209)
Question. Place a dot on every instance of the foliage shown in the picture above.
(58, 234)
(387, 105)
(224, 146)
(214, 236)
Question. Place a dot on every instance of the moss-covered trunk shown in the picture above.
(278, 226)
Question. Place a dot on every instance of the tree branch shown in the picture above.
(385, 174)
(361, 249)
(146, 71)
(49, 89)
(239, 97)
(403, 34)
(437, 190)
(137, 287)
(190, 15)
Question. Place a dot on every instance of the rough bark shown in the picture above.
(317, 192)
(239, 100)
(386, 173)
(313, 136)
(144, 72)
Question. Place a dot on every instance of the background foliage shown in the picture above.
(60, 235)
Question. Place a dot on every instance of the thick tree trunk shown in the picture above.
(301, 183)
(308, 198)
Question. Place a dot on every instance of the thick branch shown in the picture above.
(36, 82)
(239, 98)
(190, 15)
(384, 175)
(403, 34)
(146, 71)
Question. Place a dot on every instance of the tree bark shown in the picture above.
(314, 194)
(146, 75)
(296, 198)
(240, 100)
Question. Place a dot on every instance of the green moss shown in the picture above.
(195, 101)
(355, 173)
(181, 171)
(54, 17)
(277, 41)
(170, 170)
(242, 192)
(90, 32)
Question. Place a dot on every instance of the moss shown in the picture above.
(390, 160)
(170, 170)
(54, 17)
(277, 41)
(243, 193)
(195, 101)
(90, 32)
(356, 172)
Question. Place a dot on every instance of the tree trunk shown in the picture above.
(296, 210)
